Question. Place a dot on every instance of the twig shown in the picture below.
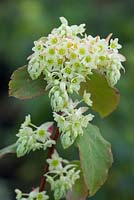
(50, 152)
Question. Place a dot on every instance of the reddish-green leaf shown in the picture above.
(95, 157)
(23, 87)
(105, 98)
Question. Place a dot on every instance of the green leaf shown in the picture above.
(7, 150)
(79, 191)
(95, 157)
(23, 87)
(105, 98)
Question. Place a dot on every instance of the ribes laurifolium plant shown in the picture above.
(79, 72)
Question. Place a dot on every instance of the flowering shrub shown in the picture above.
(78, 71)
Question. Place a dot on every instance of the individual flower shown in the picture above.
(114, 45)
(43, 132)
(18, 194)
(87, 98)
(26, 122)
(55, 163)
(100, 46)
(59, 97)
(75, 84)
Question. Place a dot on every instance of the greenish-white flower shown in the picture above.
(42, 132)
(26, 122)
(55, 163)
(33, 195)
(63, 47)
(71, 123)
(61, 176)
(65, 60)
(114, 44)
(87, 98)
(18, 194)
(31, 137)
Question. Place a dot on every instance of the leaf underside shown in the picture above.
(23, 87)
(105, 98)
(95, 157)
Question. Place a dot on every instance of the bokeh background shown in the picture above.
(22, 22)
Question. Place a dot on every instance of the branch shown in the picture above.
(50, 152)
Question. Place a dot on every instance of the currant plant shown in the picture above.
(79, 73)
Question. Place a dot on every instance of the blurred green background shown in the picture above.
(22, 22)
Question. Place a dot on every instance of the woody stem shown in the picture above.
(50, 152)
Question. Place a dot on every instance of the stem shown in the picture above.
(50, 152)
(33, 125)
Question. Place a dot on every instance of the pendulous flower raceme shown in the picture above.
(31, 137)
(66, 57)
(61, 178)
(71, 123)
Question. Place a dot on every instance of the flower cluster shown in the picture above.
(33, 195)
(63, 177)
(65, 60)
(71, 123)
(31, 137)
(64, 56)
